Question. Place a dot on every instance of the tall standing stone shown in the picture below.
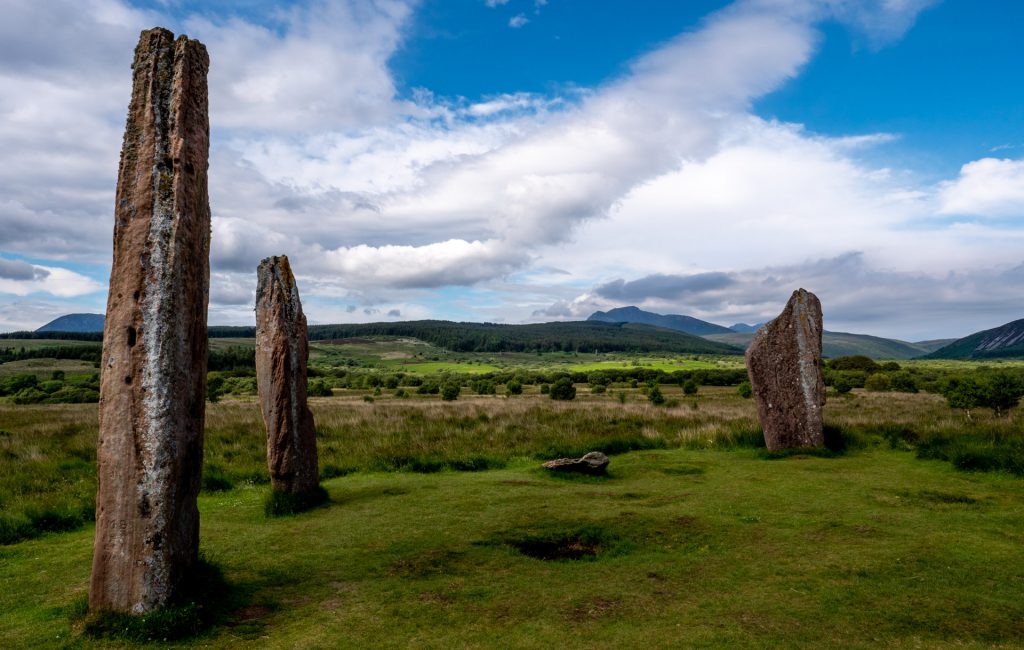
(282, 350)
(784, 364)
(153, 378)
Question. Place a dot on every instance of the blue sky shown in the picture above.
(519, 161)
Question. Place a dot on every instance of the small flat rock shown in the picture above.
(593, 462)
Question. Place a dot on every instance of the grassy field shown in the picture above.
(696, 538)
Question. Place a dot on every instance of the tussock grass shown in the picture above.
(47, 452)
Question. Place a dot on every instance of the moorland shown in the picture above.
(443, 530)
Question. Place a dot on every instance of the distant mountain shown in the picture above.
(75, 323)
(743, 327)
(842, 344)
(1004, 342)
(677, 322)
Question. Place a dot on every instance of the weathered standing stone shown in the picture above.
(593, 462)
(282, 349)
(784, 364)
(153, 378)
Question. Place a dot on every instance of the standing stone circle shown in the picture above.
(282, 351)
(153, 376)
(784, 364)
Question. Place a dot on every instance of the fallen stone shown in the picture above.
(784, 364)
(593, 462)
(153, 376)
(282, 351)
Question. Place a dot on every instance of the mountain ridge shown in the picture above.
(1003, 342)
(677, 322)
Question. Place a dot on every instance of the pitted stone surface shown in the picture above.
(784, 364)
(153, 377)
(282, 350)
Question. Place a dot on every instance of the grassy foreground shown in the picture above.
(679, 547)
(694, 539)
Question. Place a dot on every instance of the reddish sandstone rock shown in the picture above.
(153, 378)
(784, 364)
(282, 349)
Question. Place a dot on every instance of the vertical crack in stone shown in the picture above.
(153, 381)
(282, 353)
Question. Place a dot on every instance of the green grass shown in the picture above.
(44, 368)
(31, 344)
(434, 367)
(668, 365)
(441, 529)
(676, 548)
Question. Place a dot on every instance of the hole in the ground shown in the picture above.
(574, 544)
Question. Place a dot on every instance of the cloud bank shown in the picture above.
(659, 187)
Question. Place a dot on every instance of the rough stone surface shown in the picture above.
(153, 377)
(593, 462)
(282, 350)
(784, 364)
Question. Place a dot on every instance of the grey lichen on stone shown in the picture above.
(153, 378)
(784, 364)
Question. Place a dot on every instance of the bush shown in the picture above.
(214, 388)
(319, 388)
(903, 382)
(689, 387)
(841, 386)
(855, 362)
(598, 389)
(655, 396)
(878, 383)
(545, 389)
(563, 390)
(745, 390)
(483, 387)
(514, 387)
(450, 392)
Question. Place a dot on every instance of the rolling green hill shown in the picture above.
(576, 336)
(842, 344)
(1003, 342)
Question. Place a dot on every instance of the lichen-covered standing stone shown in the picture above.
(153, 377)
(282, 350)
(784, 364)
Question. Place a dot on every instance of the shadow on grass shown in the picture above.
(202, 601)
(280, 503)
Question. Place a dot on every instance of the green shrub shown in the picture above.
(450, 392)
(690, 387)
(318, 388)
(903, 382)
(878, 383)
(655, 397)
(745, 390)
(854, 362)
(563, 389)
(514, 387)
